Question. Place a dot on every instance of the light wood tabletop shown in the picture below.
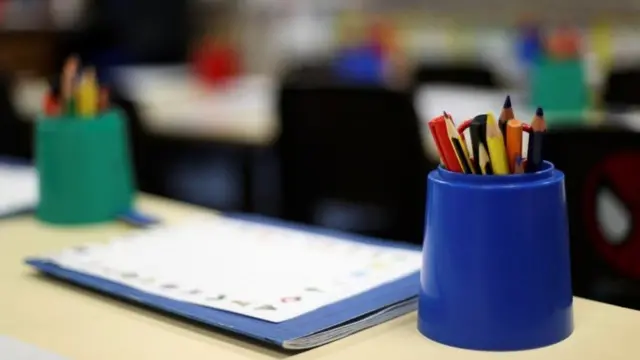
(83, 325)
(601, 332)
(79, 324)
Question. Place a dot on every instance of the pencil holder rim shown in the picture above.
(545, 173)
(73, 120)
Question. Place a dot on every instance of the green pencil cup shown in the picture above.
(85, 169)
(560, 87)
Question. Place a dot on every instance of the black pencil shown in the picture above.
(505, 115)
(534, 149)
(478, 131)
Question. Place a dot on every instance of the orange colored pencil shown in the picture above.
(514, 143)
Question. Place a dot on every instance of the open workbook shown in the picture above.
(294, 287)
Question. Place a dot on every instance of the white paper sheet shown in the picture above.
(18, 189)
(261, 271)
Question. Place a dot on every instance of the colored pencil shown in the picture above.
(436, 140)
(514, 142)
(496, 147)
(519, 167)
(534, 150)
(67, 83)
(460, 147)
(463, 141)
(103, 100)
(87, 94)
(485, 162)
(438, 128)
(478, 131)
(506, 114)
(450, 118)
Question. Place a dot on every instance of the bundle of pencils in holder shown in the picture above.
(78, 93)
(496, 145)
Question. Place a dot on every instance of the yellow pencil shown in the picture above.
(459, 146)
(484, 161)
(497, 150)
(87, 95)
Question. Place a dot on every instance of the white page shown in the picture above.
(18, 189)
(12, 349)
(262, 271)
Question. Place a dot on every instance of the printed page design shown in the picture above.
(261, 271)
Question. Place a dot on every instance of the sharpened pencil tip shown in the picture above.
(539, 112)
(507, 102)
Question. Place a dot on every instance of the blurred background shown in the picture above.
(315, 111)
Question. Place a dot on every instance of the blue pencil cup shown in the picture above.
(496, 267)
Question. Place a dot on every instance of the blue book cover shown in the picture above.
(311, 329)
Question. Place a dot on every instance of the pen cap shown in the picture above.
(85, 169)
(496, 267)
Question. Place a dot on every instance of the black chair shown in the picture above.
(310, 74)
(601, 198)
(455, 74)
(15, 134)
(144, 152)
(620, 89)
(356, 152)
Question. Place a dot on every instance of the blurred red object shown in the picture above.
(51, 106)
(216, 62)
(563, 44)
(382, 35)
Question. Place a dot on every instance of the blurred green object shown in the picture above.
(85, 169)
(560, 88)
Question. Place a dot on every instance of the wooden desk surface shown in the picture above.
(79, 324)
(602, 332)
